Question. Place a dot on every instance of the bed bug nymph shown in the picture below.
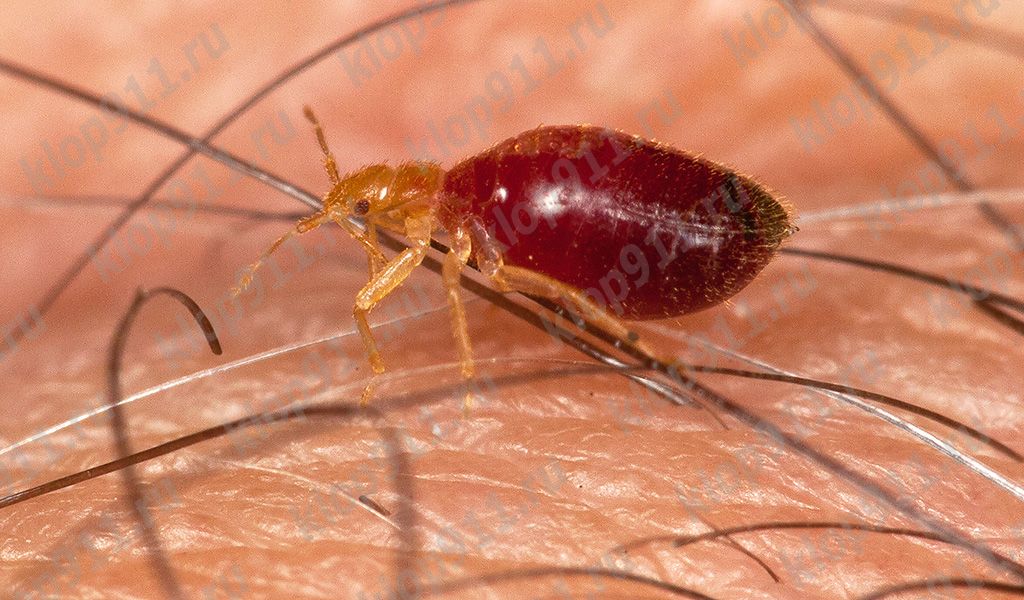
(620, 227)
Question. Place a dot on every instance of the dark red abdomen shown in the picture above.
(649, 231)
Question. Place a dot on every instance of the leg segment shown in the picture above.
(374, 256)
(510, 278)
(454, 261)
(386, 280)
(373, 261)
(532, 282)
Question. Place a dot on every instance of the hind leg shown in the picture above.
(528, 281)
(531, 282)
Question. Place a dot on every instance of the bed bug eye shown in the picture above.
(362, 207)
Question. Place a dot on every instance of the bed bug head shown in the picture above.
(363, 193)
(375, 189)
(381, 189)
(359, 194)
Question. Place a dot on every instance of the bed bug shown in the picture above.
(620, 227)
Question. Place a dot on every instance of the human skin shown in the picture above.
(551, 409)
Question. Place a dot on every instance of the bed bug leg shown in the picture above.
(454, 261)
(383, 282)
(532, 282)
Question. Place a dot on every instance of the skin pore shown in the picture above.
(657, 470)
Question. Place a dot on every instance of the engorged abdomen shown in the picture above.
(650, 231)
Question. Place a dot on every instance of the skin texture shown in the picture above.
(550, 411)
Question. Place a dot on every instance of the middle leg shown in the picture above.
(454, 261)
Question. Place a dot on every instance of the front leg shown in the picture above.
(373, 253)
(374, 262)
(382, 283)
